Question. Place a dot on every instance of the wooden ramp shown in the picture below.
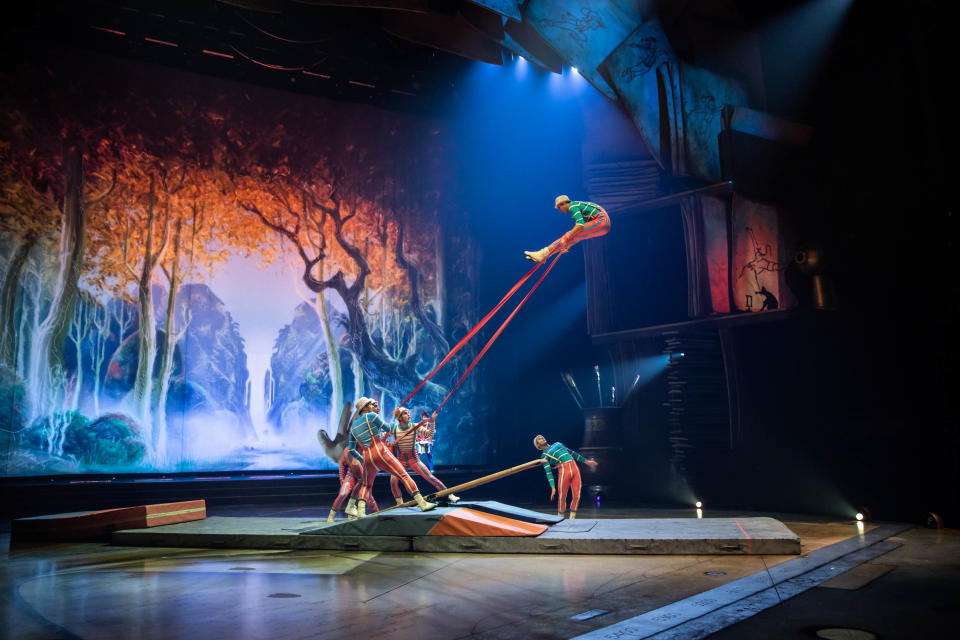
(98, 525)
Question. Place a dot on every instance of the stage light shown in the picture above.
(699, 504)
(860, 517)
(574, 69)
(933, 521)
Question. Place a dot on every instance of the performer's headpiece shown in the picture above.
(362, 403)
(560, 200)
(535, 438)
(399, 410)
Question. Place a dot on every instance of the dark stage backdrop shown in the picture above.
(197, 274)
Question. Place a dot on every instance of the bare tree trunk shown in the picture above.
(124, 320)
(333, 358)
(141, 394)
(46, 379)
(101, 320)
(357, 371)
(79, 330)
(28, 326)
(172, 337)
(147, 348)
(8, 300)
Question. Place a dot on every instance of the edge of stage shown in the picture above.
(409, 530)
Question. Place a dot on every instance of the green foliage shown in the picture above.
(13, 394)
(315, 388)
(110, 440)
(47, 431)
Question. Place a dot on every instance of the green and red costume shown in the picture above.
(405, 451)
(350, 483)
(564, 460)
(595, 221)
(366, 448)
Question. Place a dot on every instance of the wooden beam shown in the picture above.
(473, 483)
(725, 321)
(720, 188)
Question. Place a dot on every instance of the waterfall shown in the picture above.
(258, 365)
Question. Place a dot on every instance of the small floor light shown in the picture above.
(699, 505)
(933, 521)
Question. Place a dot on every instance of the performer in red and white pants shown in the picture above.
(405, 450)
(589, 221)
(564, 460)
(350, 483)
(364, 445)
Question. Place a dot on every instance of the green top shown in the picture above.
(554, 455)
(583, 212)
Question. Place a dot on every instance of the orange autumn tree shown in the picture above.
(285, 205)
(175, 221)
(327, 213)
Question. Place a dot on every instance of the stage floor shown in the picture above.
(406, 530)
(93, 590)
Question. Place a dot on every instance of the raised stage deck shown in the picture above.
(409, 530)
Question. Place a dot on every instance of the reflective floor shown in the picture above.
(99, 591)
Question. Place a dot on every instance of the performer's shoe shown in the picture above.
(361, 508)
(333, 514)
(573, 515)
(423, 504)
(452, 498)
(351, 509)
(537, 256)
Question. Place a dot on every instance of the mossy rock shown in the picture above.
(111, 440)
(39, 434)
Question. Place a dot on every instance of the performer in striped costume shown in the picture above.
(350, 483)
(565, 461)
(406, 451)
(364, 445)
(589, 221)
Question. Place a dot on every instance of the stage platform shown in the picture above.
(410, 529)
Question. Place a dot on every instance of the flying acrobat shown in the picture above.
(589, 221)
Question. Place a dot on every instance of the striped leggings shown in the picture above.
(568, 478)
(378, 457)
(412, 461)
(350, 485)
(595, 228)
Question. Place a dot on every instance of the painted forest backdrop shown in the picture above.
(197, 274)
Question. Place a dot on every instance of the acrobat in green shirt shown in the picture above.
(589, 221)
(565, 461)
